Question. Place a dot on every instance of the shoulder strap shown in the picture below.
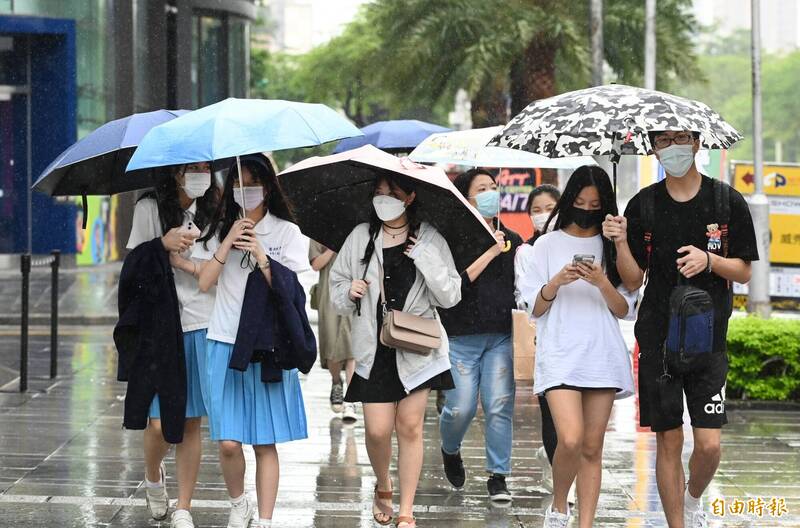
(722, 210)
(647, 208)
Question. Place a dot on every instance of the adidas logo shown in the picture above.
(716, 405)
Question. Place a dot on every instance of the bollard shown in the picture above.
(54, 265)
(25, 268)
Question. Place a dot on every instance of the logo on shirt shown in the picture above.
(714, 235)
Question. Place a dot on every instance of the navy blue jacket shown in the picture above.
(274, 326)
(149, 340)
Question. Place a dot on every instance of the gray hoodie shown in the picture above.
(437, 284)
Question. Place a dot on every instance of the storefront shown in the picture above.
(68, 67)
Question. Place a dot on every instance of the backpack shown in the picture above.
(690, 336)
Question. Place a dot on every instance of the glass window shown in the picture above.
(13, 60)
(208, 56)
(238, 56)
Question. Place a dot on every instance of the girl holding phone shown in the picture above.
(176, 211)
(579, 372)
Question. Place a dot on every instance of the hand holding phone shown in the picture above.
(582, 258)
(190, 230)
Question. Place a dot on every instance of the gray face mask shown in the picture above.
(677, 159)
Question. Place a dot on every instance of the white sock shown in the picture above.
(152, 485)
(690, 503)
(265, 523)
(238, 502)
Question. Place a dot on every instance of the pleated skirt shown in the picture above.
(243, 408)
(194, 349)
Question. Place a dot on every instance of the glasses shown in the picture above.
(684, 138)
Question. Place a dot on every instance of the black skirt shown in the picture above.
(384, 385)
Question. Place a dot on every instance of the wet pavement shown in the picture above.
(65, 461)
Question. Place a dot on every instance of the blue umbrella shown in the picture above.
(235, 127)
(95, 165)
(401, 135)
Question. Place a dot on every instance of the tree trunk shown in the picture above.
(533, 75)
(489, 105)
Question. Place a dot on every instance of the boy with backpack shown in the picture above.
(686, 237)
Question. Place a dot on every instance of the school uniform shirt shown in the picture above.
(578, 341)
(679, 224)
(281, 240)
(195, 306)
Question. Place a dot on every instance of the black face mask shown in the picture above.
(586, 219)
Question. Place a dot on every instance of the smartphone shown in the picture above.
(191, 230)
(582, 258)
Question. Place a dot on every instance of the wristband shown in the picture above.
(218, 260)
(265, 265)
(708, 262)
(545, 299)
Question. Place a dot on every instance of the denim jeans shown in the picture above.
(482, 365)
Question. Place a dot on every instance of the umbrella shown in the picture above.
(95, 165)
(400, 135)
(235, 127)
(332, 194)
(610, 121)
(468, 147)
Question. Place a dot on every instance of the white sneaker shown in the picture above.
(157, 498)
(547, 471)
(241, 516)
(553, 519)
(349, 412)
(695, 519)
(181, 519)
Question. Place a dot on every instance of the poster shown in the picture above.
(95, 244)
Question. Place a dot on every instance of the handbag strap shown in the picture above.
(380, 284)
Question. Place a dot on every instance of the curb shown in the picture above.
(66, 320)
(762, 405)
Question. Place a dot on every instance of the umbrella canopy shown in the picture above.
(610, 121)
(400, 135)
(468, 147)
(95, 165)
(333, 194)
(235, 127)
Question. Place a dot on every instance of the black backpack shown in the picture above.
(690, 335)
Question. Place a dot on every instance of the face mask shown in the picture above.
(539, 220)
(387, 207)
(253, 196)
(196, 184)
(488, 203)
(677, 159)
(585, 218)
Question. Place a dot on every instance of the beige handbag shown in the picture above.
(407, 331)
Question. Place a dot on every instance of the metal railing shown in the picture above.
(26, 264)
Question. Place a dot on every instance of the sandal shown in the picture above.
(410, 522)
(383, 509)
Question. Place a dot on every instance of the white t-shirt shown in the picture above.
(578, 341)
(282, 241)
(195, 305)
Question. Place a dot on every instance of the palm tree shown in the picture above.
(508, 53)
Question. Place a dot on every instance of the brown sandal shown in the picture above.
(383, 509)
(410, 522)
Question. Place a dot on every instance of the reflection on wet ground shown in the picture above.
(65, 461)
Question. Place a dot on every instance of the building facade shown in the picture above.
(69, 66)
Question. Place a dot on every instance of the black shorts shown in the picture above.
(661, 401)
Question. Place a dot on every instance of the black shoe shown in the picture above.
(498, 491)
(454, 469)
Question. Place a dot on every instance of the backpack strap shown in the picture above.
(722, 211)
(647, 211)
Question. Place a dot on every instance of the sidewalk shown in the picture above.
(65, 461)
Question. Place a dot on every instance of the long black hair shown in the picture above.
(588, 176)
(228, 211)
(165, 193)
(408, 186)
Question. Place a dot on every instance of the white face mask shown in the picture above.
(387, 207)
(195, 184)
(253, 196)
(677, 159)
(539, 220)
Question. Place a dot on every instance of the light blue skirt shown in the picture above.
(194, 350)
(243, 408)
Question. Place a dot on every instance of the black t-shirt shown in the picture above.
(679, 224)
